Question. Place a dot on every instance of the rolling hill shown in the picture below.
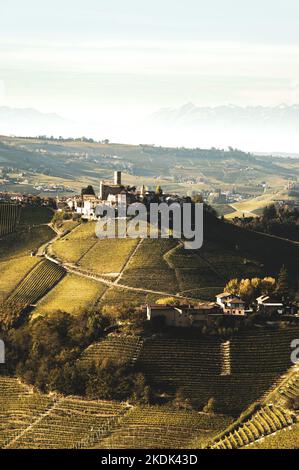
(78, 163)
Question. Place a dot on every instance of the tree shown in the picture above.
(246, 291)
(197, 198)
(210, 406)
(269, 213)
(282, 287)
(268, 285)
(181, 401)
(232, 287)
(167, 301)
(88, 191)
(159, 190)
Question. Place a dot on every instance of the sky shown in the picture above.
(109, 64)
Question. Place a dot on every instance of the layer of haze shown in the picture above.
(108, 65)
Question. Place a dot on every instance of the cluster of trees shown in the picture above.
(281, 221)
(45, 352)
(69, 139)
(250, 289)
(60, 216)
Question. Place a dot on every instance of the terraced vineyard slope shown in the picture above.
(257, 359)
(126, 348)
(161, 427)
(268, 420)
(35, 421)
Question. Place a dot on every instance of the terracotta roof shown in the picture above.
(235, 300)
(161, 307)
(223, 294)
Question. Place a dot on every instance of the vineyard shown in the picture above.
(164, 265)
(9, 218)
(13, 271)
(120, 296)
(33, 420)
(196, 365)
(72, 295)
(149, 269)
(30, 420)
(38, 282)
(125, 348)
(268, 420)
(19, 407)
(152, 427)
(287, 438)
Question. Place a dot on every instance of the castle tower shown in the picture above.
(117, 177)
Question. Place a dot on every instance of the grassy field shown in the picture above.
(13, 271)
(70, 250)
(71, 295)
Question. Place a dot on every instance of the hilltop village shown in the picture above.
(228, 304)
(114, 193)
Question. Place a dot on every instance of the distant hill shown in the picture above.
(257, 128)
(29, 121)
(176, 169)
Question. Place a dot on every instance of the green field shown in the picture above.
(72, 247)
(73, 294)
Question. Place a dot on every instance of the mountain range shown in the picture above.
(254, 128)
(31, 122)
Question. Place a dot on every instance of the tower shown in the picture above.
(117, 177)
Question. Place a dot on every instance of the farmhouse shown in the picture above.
(183, 315)
(234, 306)
(231, 304)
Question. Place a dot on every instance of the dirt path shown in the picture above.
(43, 252)
(131, 255)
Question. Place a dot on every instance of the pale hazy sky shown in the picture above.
(127, 58)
